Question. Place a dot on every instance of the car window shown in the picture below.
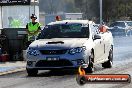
(95, 29)
(119, 24)
(129, 23)
(73, 30)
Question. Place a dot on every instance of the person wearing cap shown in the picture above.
(33, 29)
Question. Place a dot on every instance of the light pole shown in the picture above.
(34, 6)
(100, 3)
(86, 9)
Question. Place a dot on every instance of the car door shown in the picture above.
(105, 44)
(99, 45)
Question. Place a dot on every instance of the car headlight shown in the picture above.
(77, 50)
(32, 51)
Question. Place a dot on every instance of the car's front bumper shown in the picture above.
(40, 64)
(65, 62)
(52, 68)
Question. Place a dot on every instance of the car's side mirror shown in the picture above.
(96, 37)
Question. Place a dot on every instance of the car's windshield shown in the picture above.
(129, 23)
(119, 24)
(73, 30)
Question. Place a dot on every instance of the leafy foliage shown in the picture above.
(112, 9)
(55, 6)
(116, 9)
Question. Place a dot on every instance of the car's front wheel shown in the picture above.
(32, 72)
(109, 63)
(90, 67)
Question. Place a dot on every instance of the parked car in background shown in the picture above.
(121, 28)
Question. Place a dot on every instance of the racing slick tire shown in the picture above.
(32, 72)
(109, 63)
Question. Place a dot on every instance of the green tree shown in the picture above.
(54, 6)
(89, 8)
(115, 9)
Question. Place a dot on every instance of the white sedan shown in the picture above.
(69, 44)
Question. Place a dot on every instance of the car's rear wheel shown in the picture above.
(90, 67)
(32, 72)
(109, 63)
